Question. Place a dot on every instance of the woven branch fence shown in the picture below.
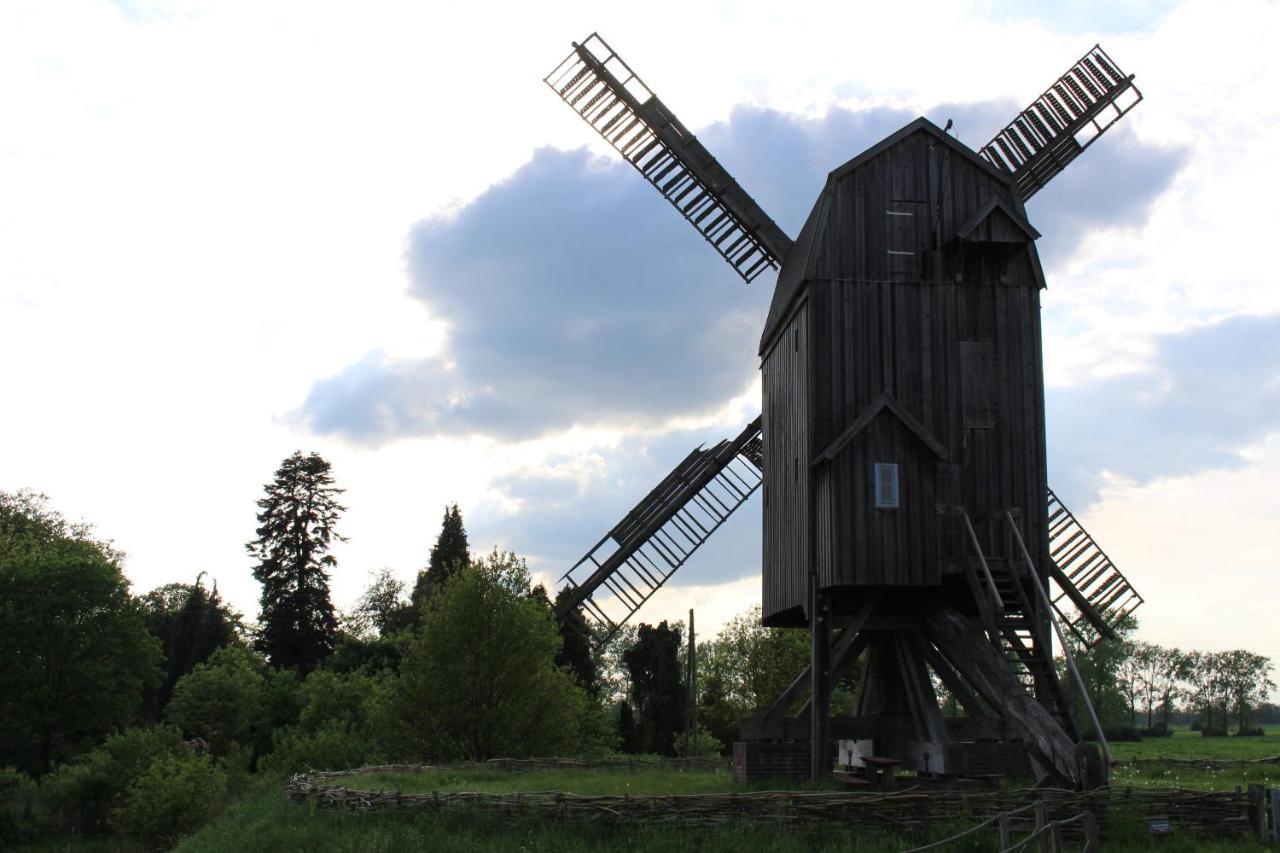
(909, 811)
(1203, 763)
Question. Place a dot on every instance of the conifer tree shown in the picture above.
(449, 555)
(295, 529)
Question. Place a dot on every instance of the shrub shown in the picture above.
(1158, 730)
(1251, 731)
(1212, 731)
(84, 794)
(174, 796)
(333, 746)
(17, 796)
(221, 700)
(1121, 733)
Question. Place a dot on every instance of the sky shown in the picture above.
(229, 231)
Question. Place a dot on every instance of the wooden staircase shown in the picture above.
(633, 560)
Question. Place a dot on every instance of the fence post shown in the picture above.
(1004, 833)
(1091, 841)
(1042, 817)
(1275, 814)
(1257, 812)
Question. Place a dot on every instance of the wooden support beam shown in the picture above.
(820, 693)
(846, 643)
(969, 700)
(961, 640)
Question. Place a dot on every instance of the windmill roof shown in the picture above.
(798, 265)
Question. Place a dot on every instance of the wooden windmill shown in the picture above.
(908, 521)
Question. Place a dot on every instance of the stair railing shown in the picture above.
(1062, 641)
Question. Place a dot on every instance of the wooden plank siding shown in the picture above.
(786, 471)
(956, 344)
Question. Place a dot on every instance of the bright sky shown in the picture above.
(233, 230)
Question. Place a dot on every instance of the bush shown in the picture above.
(1212, 731)
(17, 796)
(84, 794)
(222, 700)
(1121, 733)
(333, 746)
(1158, 730)
(1251, 731)
(174, 796)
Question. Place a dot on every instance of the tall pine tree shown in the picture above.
(448, 556)
(295, 529)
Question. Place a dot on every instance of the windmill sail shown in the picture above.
(615, 101)
(1066, 119)
(634, 559)
(1086, 578)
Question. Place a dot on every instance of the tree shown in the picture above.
(381, 610)
(1159, 673)
(223, 700)
(657, 685)
(296, 527)
(449, 555)
(191, 623)
(1247, 682)
(479, 679)
(755, 664)
(76, 652)
(575, 646)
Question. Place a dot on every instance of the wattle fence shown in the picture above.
(911, 811)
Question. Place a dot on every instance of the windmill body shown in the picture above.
(908, 522)
(903, 380)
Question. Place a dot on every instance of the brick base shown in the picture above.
(756, 761)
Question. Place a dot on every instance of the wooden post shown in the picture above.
(1258, 812)
(1004, 833)
(692, 715)
(820, 697)
(1091, 841)
(1274, 796)
(1042, 817)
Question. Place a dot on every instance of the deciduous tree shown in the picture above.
(76, 656)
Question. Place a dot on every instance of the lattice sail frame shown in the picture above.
(1066, 119)
(633, 560)
(612, 98)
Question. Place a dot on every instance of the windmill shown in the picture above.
(908, 522)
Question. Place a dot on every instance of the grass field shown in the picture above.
(1184, 744)
(264, 819)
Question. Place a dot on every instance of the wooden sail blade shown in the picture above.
(613, 99)
(633, 560)
(1066, 119)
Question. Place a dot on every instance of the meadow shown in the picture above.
(263, 818)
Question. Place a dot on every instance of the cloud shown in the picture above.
(1207, 393)
(560, 509)
(575, 296)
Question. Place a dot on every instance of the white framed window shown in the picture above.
(886, 485)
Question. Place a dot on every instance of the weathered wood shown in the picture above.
(961, 642)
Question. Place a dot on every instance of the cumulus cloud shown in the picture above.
(575, 296)
(578, 498)
(1207, 393)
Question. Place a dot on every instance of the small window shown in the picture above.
(886, 485)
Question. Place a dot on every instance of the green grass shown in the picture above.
(264, 819)
(1184, 744)
(606, 781)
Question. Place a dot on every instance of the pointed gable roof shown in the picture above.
(997, 222)
(798, 266)
(884, 402)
